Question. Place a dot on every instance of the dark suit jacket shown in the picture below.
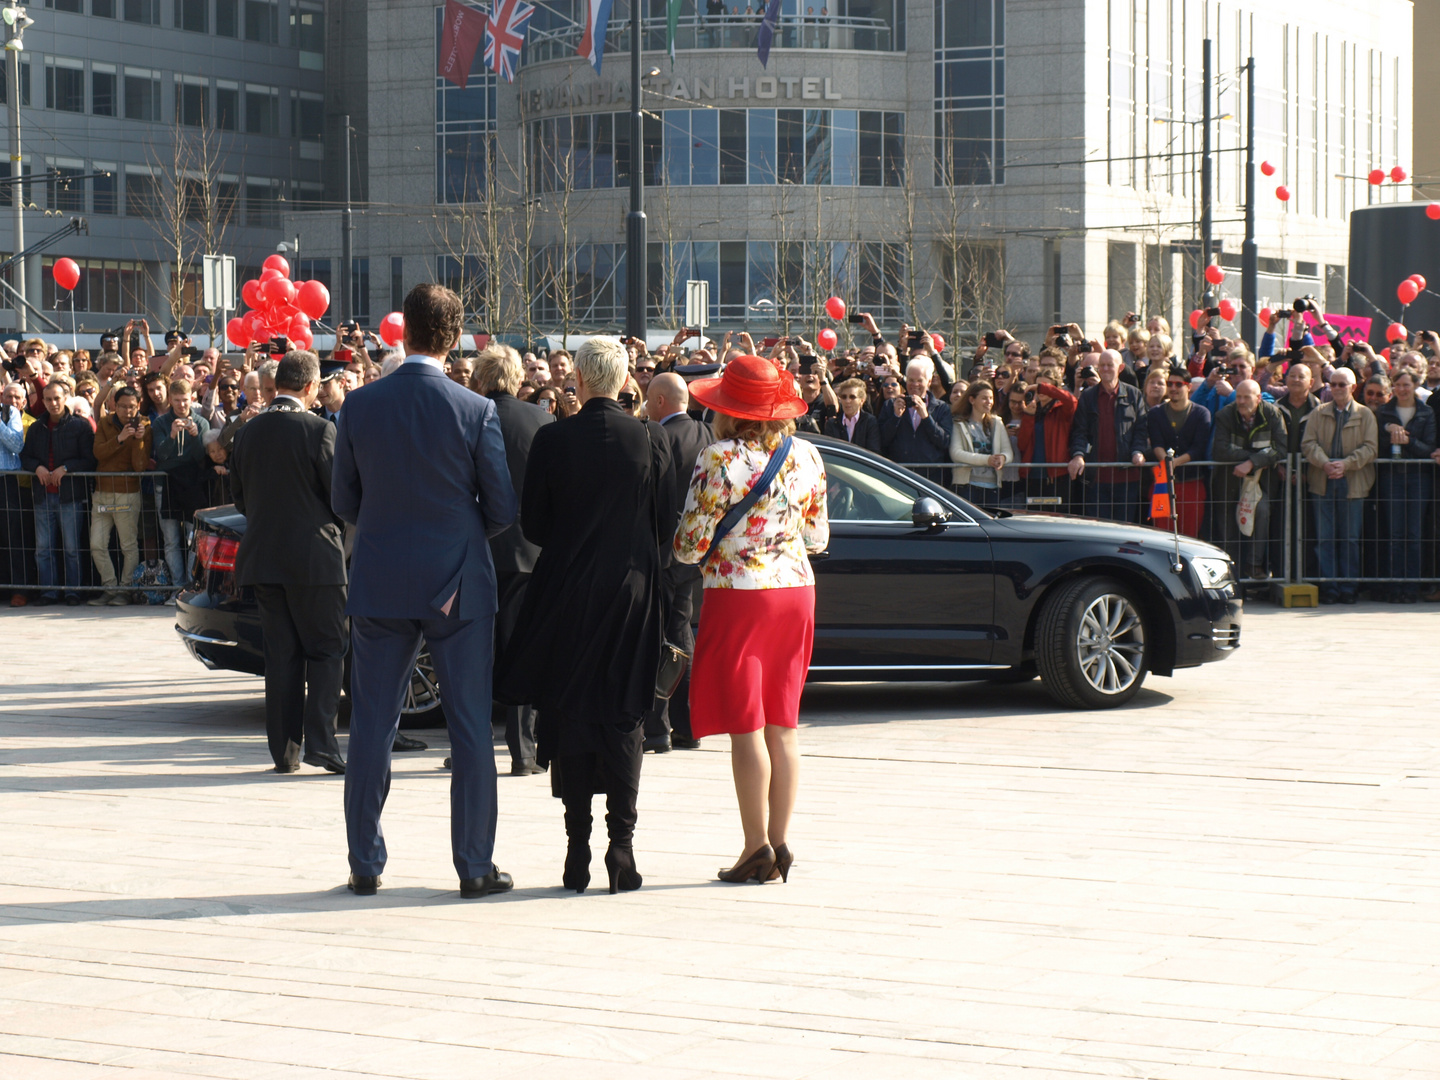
(906, 443)
(420, 472)
(594, 598)
(1132, 427)
(867, 430)
(687, 438)
(280, 466)
(519, 421)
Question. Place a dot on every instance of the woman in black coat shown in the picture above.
(587, 643)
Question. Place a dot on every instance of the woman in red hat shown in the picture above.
(757, 622)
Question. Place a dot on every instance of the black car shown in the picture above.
(916, 584)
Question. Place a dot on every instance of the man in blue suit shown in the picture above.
(420, 472)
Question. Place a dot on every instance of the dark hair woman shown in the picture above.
(757, 621)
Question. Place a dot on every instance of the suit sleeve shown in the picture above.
(667, 464)
(344, 477)
(871, 438)
(325, 462)
(237, 483)
(494, 491)
(536, 517)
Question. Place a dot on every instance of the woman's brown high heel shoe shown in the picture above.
(757, 867)
(783, 860)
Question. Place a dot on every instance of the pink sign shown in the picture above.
(1349, 327)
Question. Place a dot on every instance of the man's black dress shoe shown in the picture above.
(404, 742)
(325, 761)
(447, 764)
(363, 884)
(684, 742)
(497, 881)
(657, 744)
(287, 768)
(526, 768)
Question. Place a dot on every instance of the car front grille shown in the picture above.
(1226, 637)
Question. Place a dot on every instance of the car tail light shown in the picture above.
(216, 552)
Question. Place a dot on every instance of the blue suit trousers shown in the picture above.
(383, 656)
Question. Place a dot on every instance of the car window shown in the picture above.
(857, 492)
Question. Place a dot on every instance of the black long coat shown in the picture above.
(519, 421)
(587, 643)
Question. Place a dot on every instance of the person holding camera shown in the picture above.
(179, 447)
(1043, 438)
(916, 426)
(122, 445)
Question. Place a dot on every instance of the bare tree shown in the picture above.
(972, 263)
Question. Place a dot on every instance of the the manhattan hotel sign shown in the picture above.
(678, 89)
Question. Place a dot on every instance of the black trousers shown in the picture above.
(304, 628)
(677, 596)
(17, 534)
(609, 763)
(519, 719)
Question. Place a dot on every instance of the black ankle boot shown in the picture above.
(620, 864)
(577, 855)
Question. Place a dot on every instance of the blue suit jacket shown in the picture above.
(420, 471)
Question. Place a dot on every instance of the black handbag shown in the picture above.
(673, 659)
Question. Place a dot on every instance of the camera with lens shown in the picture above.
(1306, 303)
(1062, 341)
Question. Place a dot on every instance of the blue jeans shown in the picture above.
(50, 514)
(1404, 496)
(1338, 522)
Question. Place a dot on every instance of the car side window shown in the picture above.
(857, 492)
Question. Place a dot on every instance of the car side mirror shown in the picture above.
(927, 513)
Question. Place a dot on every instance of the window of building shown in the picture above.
(969, 92)
(106, 286)
(192, 15)
(397, 282)
(102, 89)
(307, 117)
(360, 289)
(142, 94)
(64, 191)
(103, 189)
(262, 111)
(262, 21)
(190, 102)
(465, 132)
(227, 18)
(77, 6)
(24, 83)
(307, 28)
(227, 106)
(313, 270)
(262, 202)
(143, 11)
(142, 195)
(102, 9)
(64, 84)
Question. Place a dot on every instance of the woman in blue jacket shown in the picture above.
(1179, 424)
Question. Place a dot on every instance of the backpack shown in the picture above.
(152, 573)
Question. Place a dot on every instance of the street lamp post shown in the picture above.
(635, 283)
(16, 21)
(1206, 215)
(1249, 250)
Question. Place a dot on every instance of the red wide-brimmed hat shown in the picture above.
(751, 389)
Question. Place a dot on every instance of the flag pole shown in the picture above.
(635, 254)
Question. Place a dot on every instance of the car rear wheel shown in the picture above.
(1090, 644)
(422, 706)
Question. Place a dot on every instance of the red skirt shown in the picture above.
(751, 657)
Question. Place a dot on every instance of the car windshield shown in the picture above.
(857, 492)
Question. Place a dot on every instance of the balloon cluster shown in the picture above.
(1410, 288)
(1397, 175)
(835, 308)
(278, 307)
(1228, 308)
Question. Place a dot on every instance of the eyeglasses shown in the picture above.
(227, 386)
(34, 352)
(649, 367)
(1172, 383)
(1338, 382)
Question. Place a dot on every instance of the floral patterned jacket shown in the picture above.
(767, 550)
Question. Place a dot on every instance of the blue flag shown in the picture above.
(767, 32)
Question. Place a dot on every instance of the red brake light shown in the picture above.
(216, 552)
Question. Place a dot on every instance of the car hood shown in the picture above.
(1040, 526)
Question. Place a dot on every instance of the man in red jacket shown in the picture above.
(1044, 439)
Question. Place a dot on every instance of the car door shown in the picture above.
(889, 593)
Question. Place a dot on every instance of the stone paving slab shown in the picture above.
(1235, 878)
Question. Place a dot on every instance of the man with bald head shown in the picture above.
(1251, 438)
(1110, 425)
(667, 725)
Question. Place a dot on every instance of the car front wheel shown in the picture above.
(1090, 644)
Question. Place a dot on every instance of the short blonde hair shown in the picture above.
(497, 367)
(760, 431)
(604, 364)
(858, 385)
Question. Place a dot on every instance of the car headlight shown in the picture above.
(1214, 572)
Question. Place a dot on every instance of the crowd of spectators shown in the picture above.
(1080, 424)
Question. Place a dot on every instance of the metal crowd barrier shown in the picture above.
(1396, 549)
(94, 526)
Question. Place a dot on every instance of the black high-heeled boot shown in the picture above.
(577, 854)
(620, 864)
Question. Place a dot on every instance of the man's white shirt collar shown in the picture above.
(421, 358)
(289, 397)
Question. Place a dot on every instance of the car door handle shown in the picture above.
(816, 556)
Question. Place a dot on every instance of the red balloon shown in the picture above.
(392, 328)
(1195, 319)
(278, 291)
(1385, 355)
(1377, 177)
(937, 341)
(298, 328)
(303, 341)
(1419, 280)
(826, 337)
(1433, 211)
(1267, 168)
(67, 273)
(255, 324)
(1407, 292)
(1265, 316)
(1214, 275)
(313, 299)
(1398, 174)
(278, 264)
(250, 293)
(269, 275)
(835, 308)
(1227, 310)
(1282, 193)
(238, 332)
(1395, 332)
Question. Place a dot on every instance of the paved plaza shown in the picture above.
(1236, 877)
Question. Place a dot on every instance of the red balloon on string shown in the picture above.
(392, 328)
(1265, 316)
(278, 291)
(1395, 332)
(1195, 319)
(277, 263)
(238, 332)
(67, 273)
(1385, 355)
(1377, 177)
(827, 338)
(1419, 280)
(250, 293)
(256, 325)
(313, 299)
(1398, 174)
(1282, 193)
(304, 341)
(1214, 275)
(298, 328)
(1267, 169)
(1227, 310)
(937, 341)
(269, 275)
(1407, 292)
(835, 308)
(1433, 211)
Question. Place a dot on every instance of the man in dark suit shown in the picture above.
(420, 472)
(915, 427)
(667, 724)
(498, 375)
(291, 555)
(854, 424)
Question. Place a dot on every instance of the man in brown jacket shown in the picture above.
(1340, 443)
(122, 445)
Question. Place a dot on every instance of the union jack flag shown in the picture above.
(504, 36)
